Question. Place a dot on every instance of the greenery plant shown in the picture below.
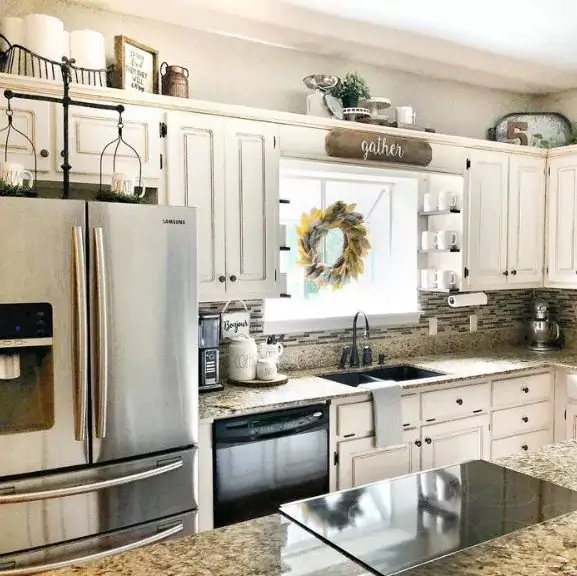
(15, 191)
(351, 87)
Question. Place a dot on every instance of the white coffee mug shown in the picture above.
(266, 370)
(405, 115)
(447, 240)
(446, 201)
(428, 240)
(122, 184)
(428, 279)
(446, 279)
(430, 202)
(14, 174)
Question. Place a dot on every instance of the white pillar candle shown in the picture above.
(87, 48)
(44, 35)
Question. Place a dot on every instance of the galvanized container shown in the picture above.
(174, 80)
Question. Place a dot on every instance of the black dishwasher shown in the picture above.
(265, 460)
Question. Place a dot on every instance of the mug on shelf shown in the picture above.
(429, 240)
(430, 202)
(428, 279)
(14, 174)
(266, 370)
(447, 239)
(446, 201)
(405, 115)
(122, 184)
(446, 279)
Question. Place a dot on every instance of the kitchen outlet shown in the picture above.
(432, 326)
(473, 322)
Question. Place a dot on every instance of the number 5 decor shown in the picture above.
(540, 130)
(313, 229)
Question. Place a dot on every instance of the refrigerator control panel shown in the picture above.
(30, 320)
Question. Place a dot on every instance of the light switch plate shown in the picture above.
(473, 318)
(432, 326)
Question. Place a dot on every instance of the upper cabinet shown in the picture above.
(561, 222)
(228, 168)
(506, 206)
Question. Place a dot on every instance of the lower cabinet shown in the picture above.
(361, 463)
(455, 442)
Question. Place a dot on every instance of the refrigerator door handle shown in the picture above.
(62, 492)
(81, 303)
(98, 554)
(102, 329)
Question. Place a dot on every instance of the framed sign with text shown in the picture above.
(344, 143)
(136, 65)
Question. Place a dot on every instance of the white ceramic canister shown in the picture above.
(242, 357)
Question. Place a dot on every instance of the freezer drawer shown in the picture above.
(60, 507)
(97, 548)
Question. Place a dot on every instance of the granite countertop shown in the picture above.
(306, 387)
(272, 546)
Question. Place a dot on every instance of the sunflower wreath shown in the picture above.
(315, 226)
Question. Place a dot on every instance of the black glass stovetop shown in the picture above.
(402, 523)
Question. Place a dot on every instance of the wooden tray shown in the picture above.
(278, 381)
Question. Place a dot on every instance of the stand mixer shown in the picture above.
(543, 334)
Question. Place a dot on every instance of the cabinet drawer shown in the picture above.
(355, 420)
(522, 419)
(522, 390)
(521, 443)
(456, 402)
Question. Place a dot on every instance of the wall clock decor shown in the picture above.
(541, 130)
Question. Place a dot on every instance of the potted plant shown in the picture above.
(350, 89)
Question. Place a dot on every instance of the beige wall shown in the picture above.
(563, 102)
(225, 69)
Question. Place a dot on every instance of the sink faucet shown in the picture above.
(367, 355)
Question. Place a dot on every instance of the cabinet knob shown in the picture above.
(525, 447)
(233, 278)
(506, 273)
(428, 440)
(44, 153)
(460, 401)
(222, 279)
(525, 389)
(418, 443)
(514, 272)
(525, 419)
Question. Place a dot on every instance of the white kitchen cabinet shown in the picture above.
(252, 208)
(487, 220)
(562, 222)
(571, 422)
(91, 130)
(195, 177)
(361, 463)
(455, 442)
(526, 221)
(35, 121)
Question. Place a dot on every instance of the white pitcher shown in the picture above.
(270, 351)
(242, 357)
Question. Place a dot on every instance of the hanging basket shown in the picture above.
(312, 230)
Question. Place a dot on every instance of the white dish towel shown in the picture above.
(387, 412)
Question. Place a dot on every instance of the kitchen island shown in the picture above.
(273, 546)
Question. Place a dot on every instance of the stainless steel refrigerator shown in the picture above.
(98, 379)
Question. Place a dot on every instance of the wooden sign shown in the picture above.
(234, 324)
(136, 65)
(343, 143)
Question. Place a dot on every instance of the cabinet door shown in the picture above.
(562, 221)
(526, 230)
(33, 119)
(487, 220)
(196, 171)
(252, 249)
(571, 422)
(455, 442)
(361, 463)
(91, 130)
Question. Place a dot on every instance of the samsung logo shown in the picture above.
(173, 221)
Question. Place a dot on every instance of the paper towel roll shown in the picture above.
(471, 299)
(44, 35)
(87, 48)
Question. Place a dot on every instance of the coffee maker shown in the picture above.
(208, 342)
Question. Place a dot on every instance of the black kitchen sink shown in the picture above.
(400, 373)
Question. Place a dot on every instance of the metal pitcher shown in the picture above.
(174, 80)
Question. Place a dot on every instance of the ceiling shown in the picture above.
(521, 45)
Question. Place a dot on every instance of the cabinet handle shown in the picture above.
(514, 272)
(233, 278)
(506, 273)
(525, 447)
(428, 440)
(44, 153)
(525, 419)
(222, 279)
(460, 401)
(525, 389)
(418, 443)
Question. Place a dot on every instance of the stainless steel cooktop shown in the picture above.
(399, 524)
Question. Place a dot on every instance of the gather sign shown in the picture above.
(343, 143)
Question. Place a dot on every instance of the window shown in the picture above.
(387, 289)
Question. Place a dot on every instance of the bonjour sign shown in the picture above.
(342, 143)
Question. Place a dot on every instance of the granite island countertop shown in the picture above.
(272, 546)
(305, 387)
